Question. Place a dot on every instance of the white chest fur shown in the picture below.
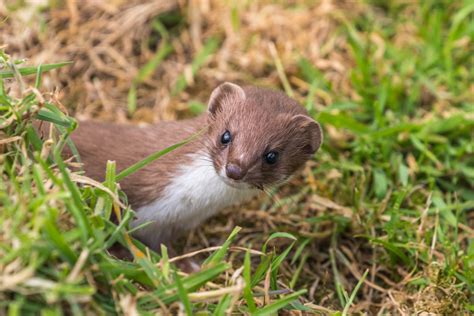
(195, 194)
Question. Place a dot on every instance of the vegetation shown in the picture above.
(381, 221)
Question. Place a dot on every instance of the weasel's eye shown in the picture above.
(271, 157)
(226, 138)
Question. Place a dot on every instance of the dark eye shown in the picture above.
(271, 157)
(226, 138)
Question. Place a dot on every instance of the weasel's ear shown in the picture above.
(225, 90)
(312, 132)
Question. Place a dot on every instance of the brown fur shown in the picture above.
(98, 142)
(265, 120)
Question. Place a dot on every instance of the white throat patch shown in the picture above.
(195, 193)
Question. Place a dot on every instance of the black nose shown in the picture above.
(234, 172)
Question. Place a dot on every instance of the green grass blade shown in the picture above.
(223, 305)
(24, 71)
(279, 259)
(248, 284)
(147, 70)
(183, 295)
(279, 304)
(217, 256)
(354, 293)
(76, 207)
(39, 72)
(165, 268)
(343, 121)
(209, 48)
(277, 235)
(132, 98)
(143, 163)
(168, 294)
(58, 119)
(55, 236)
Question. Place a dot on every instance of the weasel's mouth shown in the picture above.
(235, 184)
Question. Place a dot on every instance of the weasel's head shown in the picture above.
(258, 137)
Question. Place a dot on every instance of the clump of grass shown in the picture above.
(56, 231)
(404, 146)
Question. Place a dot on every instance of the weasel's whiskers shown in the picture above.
(272, 196)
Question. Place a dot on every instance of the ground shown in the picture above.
(380, 221)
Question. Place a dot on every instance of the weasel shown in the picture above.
(254, 138)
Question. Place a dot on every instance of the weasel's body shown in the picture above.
(98, 142)
(175, 193)
(254, 138)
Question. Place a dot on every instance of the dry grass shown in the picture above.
(110, 42)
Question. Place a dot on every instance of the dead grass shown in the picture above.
(110, 42)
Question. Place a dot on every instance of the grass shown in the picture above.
(381, 221)
(57, 233)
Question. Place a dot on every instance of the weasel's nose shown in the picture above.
(234, 172)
